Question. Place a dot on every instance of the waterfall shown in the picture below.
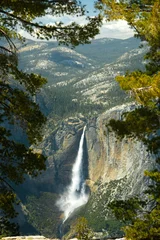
(75, 195)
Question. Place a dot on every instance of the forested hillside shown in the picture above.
(81, 80)
(80, 88)
(61, 105)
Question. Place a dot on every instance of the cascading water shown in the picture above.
(75, 195)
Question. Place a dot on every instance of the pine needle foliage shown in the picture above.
(143, 123)
(82, 230)
(19, 113)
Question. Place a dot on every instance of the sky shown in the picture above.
(115, 29)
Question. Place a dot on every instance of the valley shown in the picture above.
(82, 90)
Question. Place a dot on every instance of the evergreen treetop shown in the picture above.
(143, 123)
(18, 109)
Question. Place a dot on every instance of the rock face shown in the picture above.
(113, 159)
(116, 170)
(61, 147)
(81, 80)
(113, 169)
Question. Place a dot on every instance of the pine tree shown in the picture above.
(18, 109)
(82, 230)
(143, 123)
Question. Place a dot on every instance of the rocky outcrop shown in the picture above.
(113, 169)
(116, 170)
(61, 146)
(111, 158)
(40, 195)
(41, 238)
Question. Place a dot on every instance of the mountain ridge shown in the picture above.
(82, 90)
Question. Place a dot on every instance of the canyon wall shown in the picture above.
(111, 158)
(113, 168)
(116, 170)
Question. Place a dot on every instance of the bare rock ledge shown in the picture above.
(43, 238)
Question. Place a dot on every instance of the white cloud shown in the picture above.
(116, 29)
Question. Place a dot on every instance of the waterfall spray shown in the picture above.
(75, 195)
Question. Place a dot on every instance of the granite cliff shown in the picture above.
(81, 91)
(112, 168)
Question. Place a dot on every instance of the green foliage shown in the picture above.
(8, 228)
(43, 213)
(146, 228)
(131, 206)
(140, 223)
(114, 228)
(142, 123)
(98, 213)
(64, 101)
(26, 16)
(144, 18)
(82, 231)
(18, 110)
(145, 88)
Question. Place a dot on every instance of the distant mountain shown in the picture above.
(107, 50)
(81, 79)
(82, 90)
(58, 62)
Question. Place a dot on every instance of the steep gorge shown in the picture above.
(112, 168)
